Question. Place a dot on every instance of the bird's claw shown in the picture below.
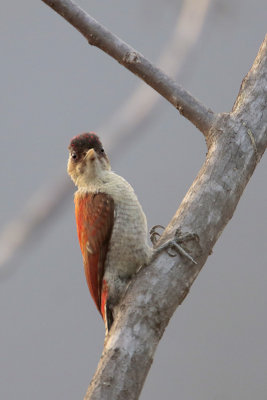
(184, 237)
(178, 249)
(154, 235)
(175, 244)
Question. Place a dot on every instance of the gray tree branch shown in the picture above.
(237, 141)
(97, 35)
(140, 106)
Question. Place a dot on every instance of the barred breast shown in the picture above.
(128, 248)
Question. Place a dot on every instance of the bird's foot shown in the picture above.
(175, 244)
(154, 235)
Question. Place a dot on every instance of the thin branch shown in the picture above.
(140, 106)
(126, 121)
(39, 209)
(97, 35)
(209, 204)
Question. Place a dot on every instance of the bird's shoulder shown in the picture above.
(93, 206)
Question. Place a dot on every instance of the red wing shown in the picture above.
(95, 218)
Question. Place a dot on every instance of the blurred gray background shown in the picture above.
(53, 86)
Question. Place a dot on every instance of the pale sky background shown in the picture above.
(54, 86)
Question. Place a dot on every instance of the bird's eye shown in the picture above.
(73, 155)
(102, 150)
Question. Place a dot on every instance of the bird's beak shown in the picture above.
(90, 155)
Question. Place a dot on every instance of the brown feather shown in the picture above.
(94, 217)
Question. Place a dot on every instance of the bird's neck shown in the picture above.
(109, 183)
(93, 183)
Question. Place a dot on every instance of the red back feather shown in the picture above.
(94, 217)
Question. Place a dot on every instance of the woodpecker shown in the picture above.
(111, 225)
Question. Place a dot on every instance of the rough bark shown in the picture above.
(236, 141)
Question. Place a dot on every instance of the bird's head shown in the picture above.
(87, 159)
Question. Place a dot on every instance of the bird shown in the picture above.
(111, 225)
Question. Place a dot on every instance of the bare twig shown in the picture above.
(40, 207)
(124, 122)
(139, 107)
(98, 35)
